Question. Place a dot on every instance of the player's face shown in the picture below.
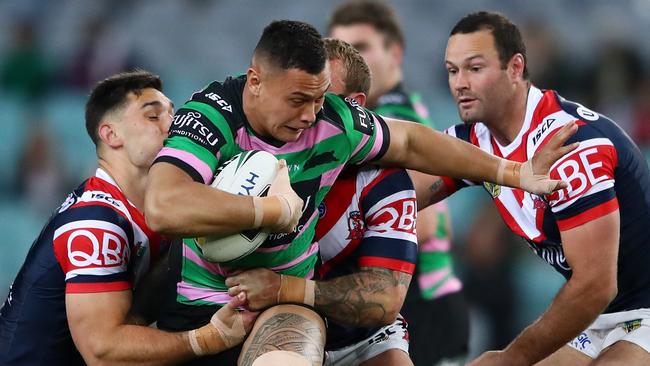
(289, 101)
(145, 125)
(477, 81)
(382, 59)
(337, 77)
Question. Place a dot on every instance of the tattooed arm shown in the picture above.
(429, 189)
(371, 297)
(368, 298)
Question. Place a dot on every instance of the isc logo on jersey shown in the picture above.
(91, 247)
(588, 169)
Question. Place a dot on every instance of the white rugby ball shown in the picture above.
(248, 173)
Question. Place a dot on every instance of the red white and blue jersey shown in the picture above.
(366, 220)
(605, 173)
(96, 241)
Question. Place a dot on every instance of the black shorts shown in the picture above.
(176, 317)
(438, 328)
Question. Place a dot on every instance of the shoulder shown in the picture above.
(381, 186)
(554, 112)
(347, 114)
(224, 96)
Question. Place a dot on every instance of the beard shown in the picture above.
(468, 117)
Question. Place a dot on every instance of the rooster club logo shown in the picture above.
(355, 225)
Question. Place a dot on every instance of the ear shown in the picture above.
(253, 80)
(396, 53)
(516, 67)
(109, 135)
(359, 97)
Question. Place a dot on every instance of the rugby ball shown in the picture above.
(249, 173)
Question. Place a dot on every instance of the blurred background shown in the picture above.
(52, 52)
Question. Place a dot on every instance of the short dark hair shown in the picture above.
(375, 13)
(507, 38)
(357, 73)
(292, 44)
(111, 93)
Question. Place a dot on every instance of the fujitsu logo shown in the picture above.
(191, 120)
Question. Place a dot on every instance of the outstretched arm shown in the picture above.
(414, 146)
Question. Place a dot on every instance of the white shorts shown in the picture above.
(632, 326)
(394, 336)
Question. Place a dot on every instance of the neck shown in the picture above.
(130, 179)
(391, 82)
(506, 126)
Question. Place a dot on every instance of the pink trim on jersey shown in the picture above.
(202, 168)
(199, 293)
(379, 141)
(320, 131)
(312, 218)
(329, 177)
(427, 280)
(312, 249)
(212, 267)
(309, 275)
(285, 246)
(362, 143)
(273, 249)
(436, 245)
(450, 287)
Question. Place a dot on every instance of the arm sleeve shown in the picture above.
(92, 247)
(367, 132)
(589, 170)
(390, 213)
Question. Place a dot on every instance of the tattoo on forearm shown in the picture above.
(437, 187)
(287, 332)
(360, 298)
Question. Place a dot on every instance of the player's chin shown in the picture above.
(467, 116)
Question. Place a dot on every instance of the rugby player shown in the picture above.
(435, 306)
(593, 232)
(367, 244)
(280, 106)
(75, 287)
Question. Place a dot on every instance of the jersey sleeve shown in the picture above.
(390, 213)
(199, 135)
(366, 131)
(92, 246)
(589, 171)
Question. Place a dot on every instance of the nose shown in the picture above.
(308, 113)
(458, 81)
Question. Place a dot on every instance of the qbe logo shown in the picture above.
(583, 170)
(91, 244)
